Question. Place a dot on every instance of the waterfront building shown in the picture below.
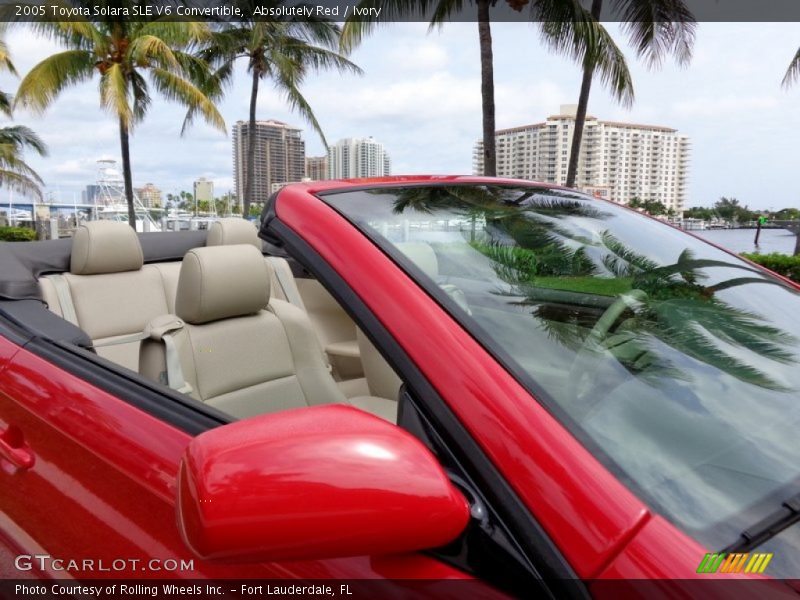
(203, 190)
(358, 157)
(316, 168)
(150, 195)
(618, 161)
(279, 156)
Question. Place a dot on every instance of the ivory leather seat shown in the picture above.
(109, 292)
(237, 349)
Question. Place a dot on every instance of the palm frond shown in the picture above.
(141, 96)
(146, 50)
(298, 103)
(115, 94)
(356, 28)
(45, 81)
(793, 72)
(657, 28)
(20, 183)
(21, 138)
(175, 88)
(568, 29)
(624, 262)
(5, 59)
(6, 103)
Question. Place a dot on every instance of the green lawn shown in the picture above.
(601, 286)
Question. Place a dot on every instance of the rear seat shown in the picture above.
(230, 345)
(112, 295)
(233, 230)
(109, 292)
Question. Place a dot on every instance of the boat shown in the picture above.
(110, 200)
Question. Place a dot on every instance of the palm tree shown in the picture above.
(565, 26)
(121, 53)
(14, 171)
(654, 28)
(5, 65)
(281, 51)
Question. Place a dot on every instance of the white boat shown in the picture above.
(111, 203)
(15, 214)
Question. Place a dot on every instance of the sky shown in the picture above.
(420, 96)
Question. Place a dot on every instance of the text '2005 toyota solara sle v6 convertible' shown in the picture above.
(437, 378)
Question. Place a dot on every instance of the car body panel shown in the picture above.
(103, 487)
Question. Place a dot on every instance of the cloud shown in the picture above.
(724, 107)
(420, 55)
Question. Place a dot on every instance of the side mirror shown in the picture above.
(314, 483)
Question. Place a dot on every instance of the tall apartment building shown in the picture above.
(618, 161)
(279, 156)
(203, 190)
(316, 168)
(150, 195)
(357, 157)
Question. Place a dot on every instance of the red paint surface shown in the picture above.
(103, 488)
(320, 482)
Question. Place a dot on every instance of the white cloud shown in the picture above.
(724, 107)
(421, 54)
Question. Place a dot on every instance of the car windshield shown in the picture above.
(675, 362)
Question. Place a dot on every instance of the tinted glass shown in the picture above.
(676, 363)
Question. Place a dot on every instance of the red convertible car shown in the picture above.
(437, 378)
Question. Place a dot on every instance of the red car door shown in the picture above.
(88, 475)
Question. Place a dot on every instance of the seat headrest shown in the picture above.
(422, 255)
(222, 282)
(105, 247)
(232, 230)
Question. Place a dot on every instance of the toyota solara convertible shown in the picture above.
(441, 378)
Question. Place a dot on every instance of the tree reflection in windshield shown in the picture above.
(538, 256)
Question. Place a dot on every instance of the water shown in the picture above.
(741, 240)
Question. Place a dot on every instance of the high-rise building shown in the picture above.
(279, 156)
(357, 157)
(91, 194)
(150, 195)
(203, 190)
(316, 168)
(619, 161)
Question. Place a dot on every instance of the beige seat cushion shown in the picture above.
(382, 381)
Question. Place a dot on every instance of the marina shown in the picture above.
(53, 220)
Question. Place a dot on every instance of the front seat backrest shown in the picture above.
(240, 351)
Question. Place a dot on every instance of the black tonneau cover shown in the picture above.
(21, 263)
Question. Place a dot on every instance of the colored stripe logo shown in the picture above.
(720, 562)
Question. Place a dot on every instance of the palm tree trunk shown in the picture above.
(126, 171)
(487, 89)
(583, 103)
(251, 148)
